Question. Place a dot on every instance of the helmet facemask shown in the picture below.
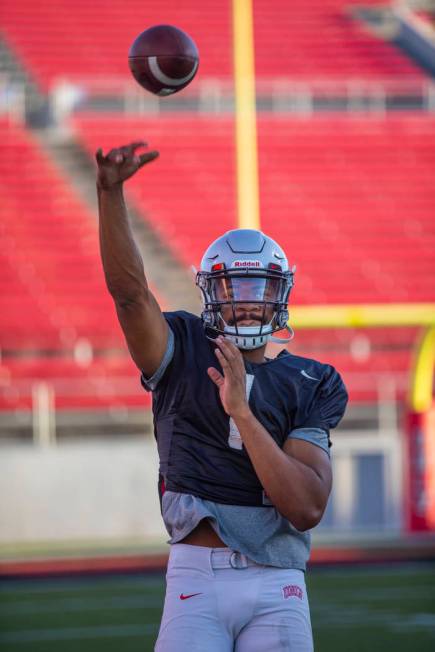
(245, 305)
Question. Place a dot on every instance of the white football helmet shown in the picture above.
(245, 268)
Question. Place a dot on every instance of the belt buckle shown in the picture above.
(238, 561)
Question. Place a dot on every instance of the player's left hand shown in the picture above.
(232, 384)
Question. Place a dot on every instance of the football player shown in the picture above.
(243, 440)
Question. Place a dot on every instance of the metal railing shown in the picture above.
(216, 96)
(41, 406)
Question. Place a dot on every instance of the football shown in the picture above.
(163, 59)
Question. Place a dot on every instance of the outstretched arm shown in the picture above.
(139, 314)
(297, 478)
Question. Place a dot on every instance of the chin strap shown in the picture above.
(283, 340)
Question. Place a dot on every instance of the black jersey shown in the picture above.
(195, 435)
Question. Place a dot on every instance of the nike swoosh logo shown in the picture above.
(304, 373)
(185, 597)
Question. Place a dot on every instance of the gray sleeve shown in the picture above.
(315, 436)
(150, 384)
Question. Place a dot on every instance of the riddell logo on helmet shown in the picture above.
(247, 263)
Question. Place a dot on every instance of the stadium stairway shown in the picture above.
(15, 77)
(170, 279)
(189, 192)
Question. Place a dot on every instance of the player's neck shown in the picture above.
(255, 355)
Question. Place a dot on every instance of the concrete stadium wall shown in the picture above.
(80, 491)
(107, 491)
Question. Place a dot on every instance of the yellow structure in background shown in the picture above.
(361, 315)
(248, 203)
(392, 314)
(421, 391)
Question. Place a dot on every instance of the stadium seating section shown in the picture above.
(321, 40)
(301, 40)
(52, 255)
(91, 39)
(52, 290)
(350, 198)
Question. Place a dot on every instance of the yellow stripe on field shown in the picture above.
(248, 211)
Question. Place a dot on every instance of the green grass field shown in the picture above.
(361, 609)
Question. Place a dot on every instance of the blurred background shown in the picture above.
(345, 118)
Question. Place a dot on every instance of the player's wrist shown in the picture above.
(242, 413)
(110, 187)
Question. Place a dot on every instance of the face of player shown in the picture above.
(248, 295)
(248, 314)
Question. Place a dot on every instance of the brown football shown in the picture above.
(163, 59)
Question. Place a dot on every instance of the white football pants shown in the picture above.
(218, 600)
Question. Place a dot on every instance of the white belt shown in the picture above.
(230, 559)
